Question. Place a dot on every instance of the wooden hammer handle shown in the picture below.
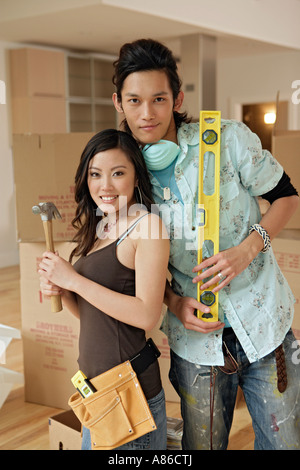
(56, 305)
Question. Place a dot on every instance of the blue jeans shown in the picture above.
(275, 416)
(155, 440)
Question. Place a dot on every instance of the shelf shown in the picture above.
(90, 90)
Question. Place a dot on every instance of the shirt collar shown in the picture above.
(188, 134)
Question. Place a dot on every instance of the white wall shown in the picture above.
(8, 245)
(255, 79)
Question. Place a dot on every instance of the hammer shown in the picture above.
(48, 211)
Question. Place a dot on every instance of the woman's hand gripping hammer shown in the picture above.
(48, 211)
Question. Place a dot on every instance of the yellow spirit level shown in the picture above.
(83, 385)
(208, 202)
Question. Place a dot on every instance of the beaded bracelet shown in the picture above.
(264, 235)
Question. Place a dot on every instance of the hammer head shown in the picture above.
(47, 210)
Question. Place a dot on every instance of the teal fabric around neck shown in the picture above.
(160, 155)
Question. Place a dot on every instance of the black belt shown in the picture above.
(145, 357)
(228, 331)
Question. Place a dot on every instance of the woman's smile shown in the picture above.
(108, 198)
(111, 180)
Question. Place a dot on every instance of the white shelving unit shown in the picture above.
(89, 91)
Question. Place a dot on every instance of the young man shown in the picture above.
(255, 301)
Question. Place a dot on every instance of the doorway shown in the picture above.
(255, 115)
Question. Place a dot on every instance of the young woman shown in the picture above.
(255, 301)
(116, 287)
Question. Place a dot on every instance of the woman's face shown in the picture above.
(111, 180)
(148, 105)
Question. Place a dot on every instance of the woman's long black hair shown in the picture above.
(86, 217)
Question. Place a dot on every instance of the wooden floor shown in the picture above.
(24, 426)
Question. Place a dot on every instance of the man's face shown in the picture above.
(148, 105)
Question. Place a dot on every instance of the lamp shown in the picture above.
(270, 118)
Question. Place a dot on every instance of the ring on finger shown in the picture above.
(221, 276)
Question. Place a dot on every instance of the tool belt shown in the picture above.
(117, 412)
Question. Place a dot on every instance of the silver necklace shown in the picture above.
(166, 190)
(167, 193)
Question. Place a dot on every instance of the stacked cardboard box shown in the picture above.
(44, 167)
(44, 170)
(161, 342)
(286, 247)
(50, 340)
(286, 149)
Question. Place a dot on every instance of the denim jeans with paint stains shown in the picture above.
(275, 415)
(155, 440)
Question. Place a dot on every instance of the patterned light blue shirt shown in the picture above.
(258, 303)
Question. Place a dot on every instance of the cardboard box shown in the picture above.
(50, 340)
(37, 72)
(39, 113)
(65, 431)
(161, 341)
(286, 149)
(38, 82)
(286, 248)
(44, 170)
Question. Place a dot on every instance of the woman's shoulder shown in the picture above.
(150, 226)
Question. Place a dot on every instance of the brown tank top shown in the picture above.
(105, 342)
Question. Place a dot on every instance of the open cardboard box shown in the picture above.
(64, 431)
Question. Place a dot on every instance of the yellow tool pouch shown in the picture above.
(117, 412)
